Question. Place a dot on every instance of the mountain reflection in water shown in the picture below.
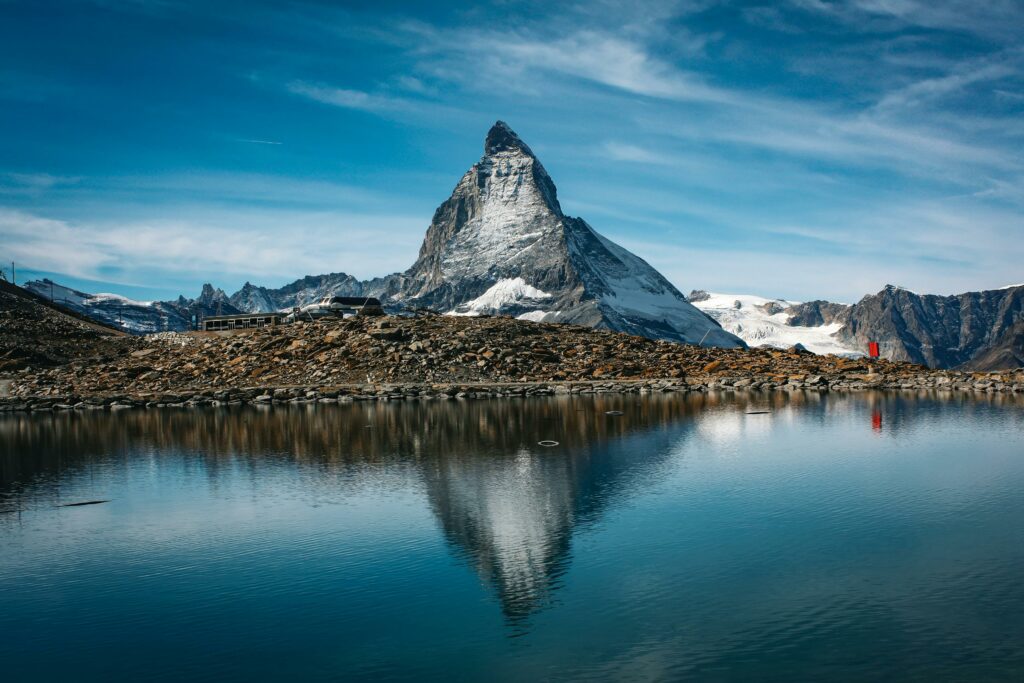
(782, 536)
(507, 506)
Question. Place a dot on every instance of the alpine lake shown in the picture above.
(775, 536)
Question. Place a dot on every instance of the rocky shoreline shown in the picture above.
(271, 395)
(443, 357)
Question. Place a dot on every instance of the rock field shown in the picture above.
(438, 356)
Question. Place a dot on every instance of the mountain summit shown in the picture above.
(501, 245)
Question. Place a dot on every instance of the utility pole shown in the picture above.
(14, 279)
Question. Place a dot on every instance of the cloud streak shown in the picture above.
(279, 245)
(345, 97)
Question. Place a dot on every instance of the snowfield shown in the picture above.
(765, 322)
(507, 292)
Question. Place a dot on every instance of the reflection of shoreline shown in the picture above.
(47, 445)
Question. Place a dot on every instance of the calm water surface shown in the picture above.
(834, 537)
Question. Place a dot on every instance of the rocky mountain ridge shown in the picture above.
(974, 330)
(136, 317)
(502, 245)
(978, 330)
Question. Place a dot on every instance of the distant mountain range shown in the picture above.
(974, 330)
(500, 245)
(137, 317)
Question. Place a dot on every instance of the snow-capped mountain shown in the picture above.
(501, 245)
(974, 330)
(310, 289)
(137, 317)
(778, 323)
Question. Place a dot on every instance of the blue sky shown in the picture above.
(800, 148)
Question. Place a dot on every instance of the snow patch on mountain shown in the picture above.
(765, 322)
(500, 295)
(538, 315)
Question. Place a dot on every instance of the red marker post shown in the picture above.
(872, 354)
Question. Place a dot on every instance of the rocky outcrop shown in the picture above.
(975, 329)
(818, 312)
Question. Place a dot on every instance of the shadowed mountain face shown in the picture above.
(977, 330)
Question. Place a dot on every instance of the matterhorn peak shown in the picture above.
(501, 245)
(501, 138)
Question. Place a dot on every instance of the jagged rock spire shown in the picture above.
(501, 138)
(501, 244)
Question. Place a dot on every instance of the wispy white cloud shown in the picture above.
(993, 19)
(893, 132)
(345, 97)
(263, 245)
(960, 78)
(33, 183)
(619, 151)
(601, 58)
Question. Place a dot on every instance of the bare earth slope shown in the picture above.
(34, 333)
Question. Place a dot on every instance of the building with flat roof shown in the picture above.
(244, 321)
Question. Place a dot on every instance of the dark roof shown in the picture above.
(243, 316)
(355, 300)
